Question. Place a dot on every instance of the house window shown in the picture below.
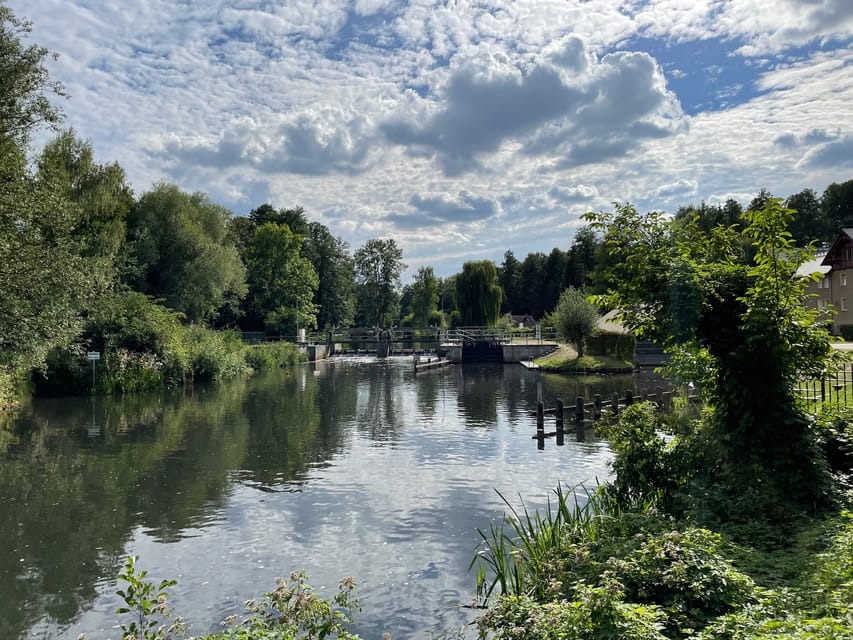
(843, 279)
(826, 283)
(844, 304)
(848, 252)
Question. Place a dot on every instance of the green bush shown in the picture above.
(607, 343)
(213, 355)
(9, 383)
(835, 431)
(273, 355)
(599, 613)
(656, 456)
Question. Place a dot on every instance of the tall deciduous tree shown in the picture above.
(282, 282)
(837, 205)
(478, 294)
(99, 193)
(737, 324)
(378, 267)
(25, 86)
(182, 252)
(808, 222)
(335, 295)
(424, 302)
(44, 282)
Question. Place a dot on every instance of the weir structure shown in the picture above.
(462, 344)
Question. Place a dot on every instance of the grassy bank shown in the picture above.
(565, 359)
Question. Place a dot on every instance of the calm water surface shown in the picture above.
(348, 467)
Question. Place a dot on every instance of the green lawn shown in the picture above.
(565, 358)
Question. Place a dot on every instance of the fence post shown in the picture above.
(596, 407)
(559, 416)
(614, 404)
(540, 417)
(560, 425)
(579, 429)
(629, 398)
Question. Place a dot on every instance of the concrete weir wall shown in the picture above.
(520, 352)
(511, 352)
(319, 351)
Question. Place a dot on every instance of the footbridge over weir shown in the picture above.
(463, 344)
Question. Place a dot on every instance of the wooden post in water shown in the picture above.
(596, 408)
(540, 417)
(629, 398)
(579, 429)
(560, 427)
(614, 404)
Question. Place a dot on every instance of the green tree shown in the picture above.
(837, 206)
(808, 222)
(101, 196)
(282, 282)
(44, 282)
(182, 253)
(293, 219)
(478, 294)
(25, 86)
(575, 318)
(582, 258)
(554, 278)
(424, 302)
(378, 266)
(736, 324)
(509, 275)
(335, 295)
(532, 284)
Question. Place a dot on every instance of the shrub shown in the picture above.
(273, 355)
(608, 343)
(213, 355)
(599, 613)
(656, 456)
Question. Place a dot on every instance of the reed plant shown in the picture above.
(518, 554)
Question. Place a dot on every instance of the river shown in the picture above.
(351, 467)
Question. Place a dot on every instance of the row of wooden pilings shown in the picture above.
(596, 410)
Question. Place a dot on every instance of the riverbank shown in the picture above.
(598, 572)
(565, 360)
(196, 355)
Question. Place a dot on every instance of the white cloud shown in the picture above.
(423, 119)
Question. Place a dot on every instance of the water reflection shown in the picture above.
(350, 467)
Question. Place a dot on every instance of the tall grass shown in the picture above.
(516, 554)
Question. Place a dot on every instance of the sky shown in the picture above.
(459, 129)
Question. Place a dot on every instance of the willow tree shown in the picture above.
(478, 294)
(728, 306)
